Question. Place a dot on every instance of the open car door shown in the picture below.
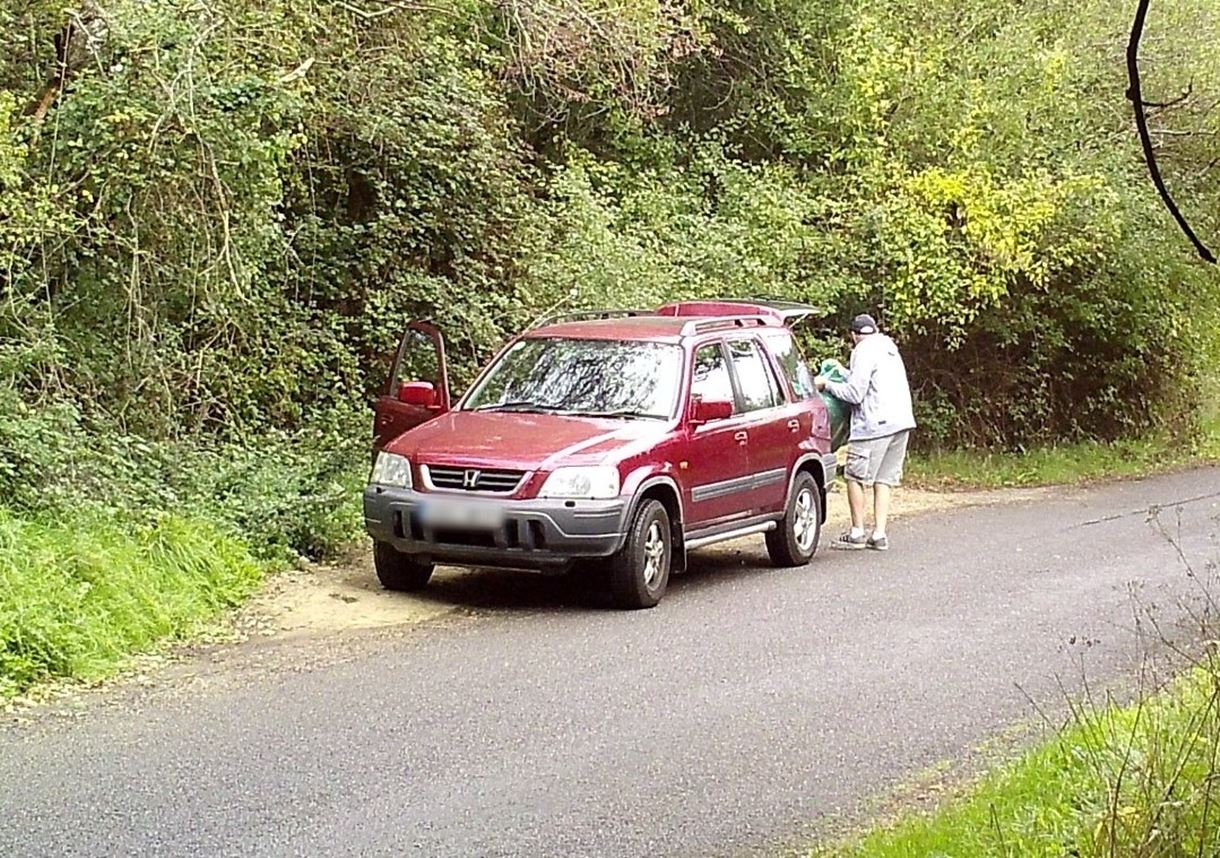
(417, 388)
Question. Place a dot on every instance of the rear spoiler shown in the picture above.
(787, 312)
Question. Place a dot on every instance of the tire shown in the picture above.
(795, 541)
(397, 571)
(639, 573)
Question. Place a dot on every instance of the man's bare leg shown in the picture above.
(855, 502)
(882, 495)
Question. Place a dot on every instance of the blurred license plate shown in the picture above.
(462, 514)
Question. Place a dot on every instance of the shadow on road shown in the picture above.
(584, 588)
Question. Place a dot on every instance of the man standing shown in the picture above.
(881, 422)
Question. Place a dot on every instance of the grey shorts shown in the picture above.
(878, 460)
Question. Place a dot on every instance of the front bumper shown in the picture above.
(536, 533)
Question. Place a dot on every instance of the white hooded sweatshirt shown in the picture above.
(877, 389)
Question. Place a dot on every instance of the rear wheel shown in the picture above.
(795, 541)
(398, 571)
(639, 573)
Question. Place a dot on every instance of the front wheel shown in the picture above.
(795, 541)
(639, 573)
(398, 571)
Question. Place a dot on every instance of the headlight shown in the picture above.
(391, 470)
(588, 483)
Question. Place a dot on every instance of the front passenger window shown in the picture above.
(711, 381)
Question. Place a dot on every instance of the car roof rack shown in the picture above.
(589, 315)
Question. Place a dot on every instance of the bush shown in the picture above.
(288, 495)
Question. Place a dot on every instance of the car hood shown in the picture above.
(526, 442)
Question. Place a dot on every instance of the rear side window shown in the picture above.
(711, 381)
(786, 352)
(759, 389)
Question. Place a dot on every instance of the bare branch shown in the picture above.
(1172, 132)
(1141, 124)
(389, 7)
(1173, 101)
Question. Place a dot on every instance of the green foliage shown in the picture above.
(1066, 464)
(1134, 781)
(287, 495)
(110, 543)
(223, 220)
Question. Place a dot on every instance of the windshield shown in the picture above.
(601, 378)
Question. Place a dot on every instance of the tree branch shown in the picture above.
(1163, 104)
(389, 7)
(1141, 124)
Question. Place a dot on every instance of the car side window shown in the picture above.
(711, 381)
(800, 379)
(759, 388)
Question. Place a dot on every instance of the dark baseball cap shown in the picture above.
(864, 324)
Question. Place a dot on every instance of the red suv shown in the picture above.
(621, 439)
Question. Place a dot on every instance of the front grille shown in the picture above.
(474, 479)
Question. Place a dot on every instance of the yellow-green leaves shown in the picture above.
(961, 239)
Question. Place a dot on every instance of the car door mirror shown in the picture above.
(708, 410)
(422, 394)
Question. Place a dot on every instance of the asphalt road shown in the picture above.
(749, 705)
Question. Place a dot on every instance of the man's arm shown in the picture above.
(859, 375)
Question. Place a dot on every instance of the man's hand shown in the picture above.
(820, 383)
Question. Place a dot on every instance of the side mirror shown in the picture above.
(418, 393)
(706, 411)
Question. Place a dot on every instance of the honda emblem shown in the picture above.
(470, 480)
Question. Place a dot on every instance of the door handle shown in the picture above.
(742, 437)
(794, 425)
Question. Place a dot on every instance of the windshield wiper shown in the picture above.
(521, 405)
(621, 413)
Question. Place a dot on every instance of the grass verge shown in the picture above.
(80, 594)
(110, 544)
(1063, 465)
(1141, 780)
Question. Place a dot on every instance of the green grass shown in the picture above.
(84, 587)
(1075, 463)
(1136, 781)
(80, 594)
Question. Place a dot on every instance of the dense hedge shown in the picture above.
(217, 217)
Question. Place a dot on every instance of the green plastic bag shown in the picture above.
(840, 411)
